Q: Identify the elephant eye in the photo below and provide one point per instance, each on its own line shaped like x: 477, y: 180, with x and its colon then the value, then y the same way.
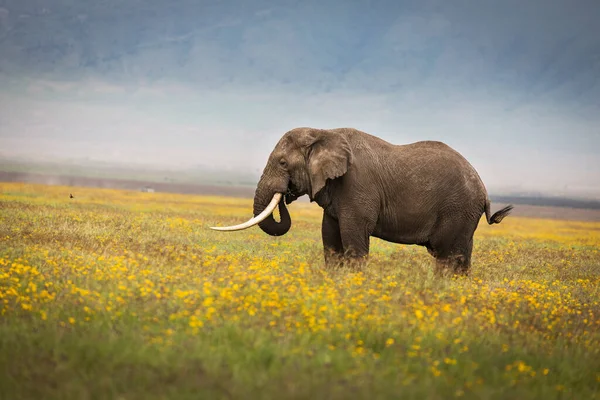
x: 283, y: 163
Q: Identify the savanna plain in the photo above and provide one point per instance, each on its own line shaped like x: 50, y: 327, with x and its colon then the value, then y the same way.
x: 122, y: 294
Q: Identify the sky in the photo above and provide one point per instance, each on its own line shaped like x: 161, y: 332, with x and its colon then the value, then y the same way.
x: 513, y: 86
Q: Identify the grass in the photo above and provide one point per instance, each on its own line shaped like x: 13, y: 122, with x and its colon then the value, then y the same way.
x: 128, y: 295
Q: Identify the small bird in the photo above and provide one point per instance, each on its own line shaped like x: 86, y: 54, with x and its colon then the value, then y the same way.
x: 71, y: 196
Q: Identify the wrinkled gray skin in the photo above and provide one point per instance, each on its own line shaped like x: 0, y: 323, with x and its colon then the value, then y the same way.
x: 423, y: 193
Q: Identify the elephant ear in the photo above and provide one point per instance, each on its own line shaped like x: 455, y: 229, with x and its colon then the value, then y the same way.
x: 329, y: 157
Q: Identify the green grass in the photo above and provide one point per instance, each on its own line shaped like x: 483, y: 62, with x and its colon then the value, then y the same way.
x: 128, y: 295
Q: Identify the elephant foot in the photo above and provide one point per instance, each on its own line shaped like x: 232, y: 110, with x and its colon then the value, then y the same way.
x: 335, y: 260
x: 453, y: 266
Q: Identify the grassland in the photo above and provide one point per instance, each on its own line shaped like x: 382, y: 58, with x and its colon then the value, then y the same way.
x: 128, y: 295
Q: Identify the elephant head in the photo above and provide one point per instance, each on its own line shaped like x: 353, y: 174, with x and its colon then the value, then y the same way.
x: 301, y: 163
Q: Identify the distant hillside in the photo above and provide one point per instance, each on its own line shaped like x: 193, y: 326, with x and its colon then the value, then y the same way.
x: 65, y: 169
x: 548, y: 201
x: 194, y: 180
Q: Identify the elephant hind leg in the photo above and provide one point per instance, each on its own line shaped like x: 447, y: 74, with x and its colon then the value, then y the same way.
x: 456, y: 259
x: 452, y: 249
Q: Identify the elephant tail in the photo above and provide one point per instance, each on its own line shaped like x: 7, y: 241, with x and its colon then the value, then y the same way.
x: 498, y: 216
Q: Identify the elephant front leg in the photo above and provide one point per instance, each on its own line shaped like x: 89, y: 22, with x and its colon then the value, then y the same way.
x: 332, y: 240
x: 356, y: 233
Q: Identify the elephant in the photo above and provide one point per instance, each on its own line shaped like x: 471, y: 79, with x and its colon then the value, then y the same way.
x: 423, y: 193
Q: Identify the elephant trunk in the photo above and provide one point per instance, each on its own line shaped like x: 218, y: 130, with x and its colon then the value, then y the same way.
x: 263, y: 195
x: 270, y: 193
x: 269, y: 225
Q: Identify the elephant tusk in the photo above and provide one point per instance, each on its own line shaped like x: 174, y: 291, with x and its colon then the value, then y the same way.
x: 253, y: 221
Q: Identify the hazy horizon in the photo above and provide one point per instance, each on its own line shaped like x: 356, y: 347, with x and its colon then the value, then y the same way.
x: 514, y: 87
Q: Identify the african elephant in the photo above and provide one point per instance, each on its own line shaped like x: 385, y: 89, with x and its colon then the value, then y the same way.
x: 424, y: 193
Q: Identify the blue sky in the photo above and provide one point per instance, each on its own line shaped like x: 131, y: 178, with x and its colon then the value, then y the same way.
x: 514, y: 86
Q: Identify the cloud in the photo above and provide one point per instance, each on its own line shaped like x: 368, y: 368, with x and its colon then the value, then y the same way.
x: 515, y: 86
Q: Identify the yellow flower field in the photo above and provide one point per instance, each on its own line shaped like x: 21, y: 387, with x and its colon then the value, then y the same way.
x: 117, y: 294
